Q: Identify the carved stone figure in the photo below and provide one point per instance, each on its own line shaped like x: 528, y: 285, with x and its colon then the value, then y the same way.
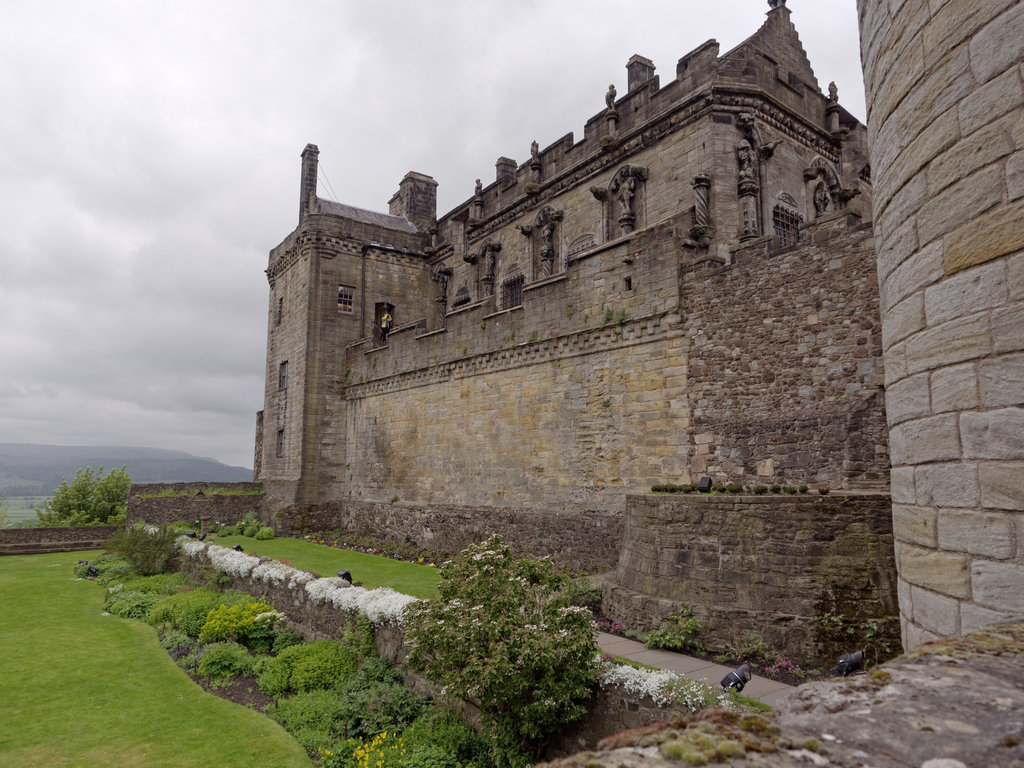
x: 745, y: 156
x: 609, y: 98
x: 489, y: 256
x: 822, y: 200
x: 624, y: 188
x: 534, y: 152
x: 479, y: 190
x: 833, y: 93
x: 441, y: 275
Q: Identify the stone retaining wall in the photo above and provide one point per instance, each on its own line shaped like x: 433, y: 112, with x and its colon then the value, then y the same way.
x: 144, y: 504
x: 765, y: 564
x: 37, y: 541
x: 586, y: 540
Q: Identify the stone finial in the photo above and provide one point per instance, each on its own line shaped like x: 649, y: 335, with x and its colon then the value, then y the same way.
x: 773, y: 4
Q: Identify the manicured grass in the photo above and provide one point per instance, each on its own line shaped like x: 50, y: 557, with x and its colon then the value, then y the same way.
x: 83, y: 689
x: 373, y: 571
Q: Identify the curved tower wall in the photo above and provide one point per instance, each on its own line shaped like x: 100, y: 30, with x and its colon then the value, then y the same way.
x: 946, y: 128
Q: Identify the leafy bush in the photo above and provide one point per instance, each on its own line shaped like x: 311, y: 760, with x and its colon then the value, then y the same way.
x: 680, y: 634
x: 504, y: 632
x: 313, y: 718
x: 188, y: 610
x: 265, y: 533
x: 250, y: 524
x: 89, y: 499
x: 147, y: 550
x: 250, y: 623
x: 219, y: 661
x: 311, y: 666
x: 376, y: 700
x: 158, y: 584
x: 440, y: 738
x: 130, y: 605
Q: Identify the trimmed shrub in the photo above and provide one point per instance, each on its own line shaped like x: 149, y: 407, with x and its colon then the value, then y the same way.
x: 240, y: 622
x: 149, y: 552
x: 318, y: 665
x: 220, y: 661
x: 188, y: 610
x: 265, y: 533
x: 129, y: 604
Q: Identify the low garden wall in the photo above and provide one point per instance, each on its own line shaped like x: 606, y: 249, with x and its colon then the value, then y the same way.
x: 799, y: 571
x: 587, y: 540
x: 38, y: 541
x: 225, y: 503
x: 613, y: 708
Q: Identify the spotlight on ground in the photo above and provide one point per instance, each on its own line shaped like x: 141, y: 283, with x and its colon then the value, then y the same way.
x: 203, y: 537
x: 738, y: 678
x: 343, y: 574
x: 848, y: 663
x: 704, y: 486
x: 191, y: 534
x: 238, y: 548
x: 93, y: 572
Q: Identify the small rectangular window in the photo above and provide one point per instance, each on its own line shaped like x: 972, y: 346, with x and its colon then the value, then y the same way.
x: 512, y: 292
x: 627, y: 283
x: 280, y: 310
x: 280, y: 442
x: 346, y: 299
x: 282, y: 375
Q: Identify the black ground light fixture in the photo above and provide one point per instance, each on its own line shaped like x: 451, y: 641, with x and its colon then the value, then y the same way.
x: 238, y: 548
x: 848, y: 662
x: 93, y: 571
x: 191, y: 534
x: 704, y: 486
x: 343, y: 574
x: 738, y: 678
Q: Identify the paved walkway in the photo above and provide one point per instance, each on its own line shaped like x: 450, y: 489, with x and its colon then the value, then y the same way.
x: 760, y: 688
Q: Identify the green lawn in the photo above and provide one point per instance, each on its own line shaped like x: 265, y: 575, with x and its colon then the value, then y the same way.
x: 408, y: 578
x: 83, y: 689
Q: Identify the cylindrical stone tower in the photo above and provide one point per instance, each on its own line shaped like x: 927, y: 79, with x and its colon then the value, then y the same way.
x: 945, y: 94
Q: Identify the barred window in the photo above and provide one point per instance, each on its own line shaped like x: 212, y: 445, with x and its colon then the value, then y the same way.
x: 512, y: 292
x: 787, y: 225
x: 346, y: 299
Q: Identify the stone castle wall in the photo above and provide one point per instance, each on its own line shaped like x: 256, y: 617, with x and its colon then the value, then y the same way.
x: 946, y: 127
x: 37, y: 541
x: 769, y: 565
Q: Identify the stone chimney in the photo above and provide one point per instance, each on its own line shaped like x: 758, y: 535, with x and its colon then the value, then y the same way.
x: 638, y: 71
x: 505, y: 171
x: 307, y: 184
x: 416, y: 200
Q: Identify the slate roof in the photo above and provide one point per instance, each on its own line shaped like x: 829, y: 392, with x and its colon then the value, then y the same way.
x: 386, y: 220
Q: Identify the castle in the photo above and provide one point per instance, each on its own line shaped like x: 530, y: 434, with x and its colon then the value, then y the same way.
x: 689, y: 290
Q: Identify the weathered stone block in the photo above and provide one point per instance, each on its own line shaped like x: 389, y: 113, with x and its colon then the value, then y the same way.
x: 991, y: 101
x: 904, y: 319
x: 931, y: 439
x: 993, y: 434
x: 908, y: 399
x: 934, y: 612
x: 914, y: 525
x: 902, y: 485
x: 920, y: 270
x: 974, y: 617
x: 966, y: 293
x: 1002, y: 484
x: 986, y: 237
x: 951, y: 342
x: 947, y: 573
x: 999, y: 46
x: 998, y: 586
x: 975, y: 151
x: 1008, y: 329
x: 947, y: 485
x: 1015, y: 276
x: 961, y: 203
x: 980, y: 533
x: 938, y: 136
x: 955, y: 388
x: 1001, y: 380
x: 1015, y: 176
x: 895, y: 363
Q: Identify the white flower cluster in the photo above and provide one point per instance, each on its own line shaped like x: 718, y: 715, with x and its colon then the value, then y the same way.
x: 231, y: 562
x: 191, y: 547
x: 662, y: 687
x: 380, y: 606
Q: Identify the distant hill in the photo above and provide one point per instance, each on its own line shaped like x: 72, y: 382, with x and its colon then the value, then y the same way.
x: 36, y: 470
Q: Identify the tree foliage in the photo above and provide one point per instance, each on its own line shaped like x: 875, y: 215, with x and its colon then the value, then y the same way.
x: 505, y: 632
x: 92, y: 498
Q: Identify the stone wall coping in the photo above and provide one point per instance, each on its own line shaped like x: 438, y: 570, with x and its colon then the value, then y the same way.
x: 763, y: 498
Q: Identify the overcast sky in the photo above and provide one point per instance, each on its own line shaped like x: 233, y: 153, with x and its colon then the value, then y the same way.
x: 149, y: 159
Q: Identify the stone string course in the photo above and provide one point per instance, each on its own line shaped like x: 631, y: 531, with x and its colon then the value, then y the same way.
x: 945, y: 92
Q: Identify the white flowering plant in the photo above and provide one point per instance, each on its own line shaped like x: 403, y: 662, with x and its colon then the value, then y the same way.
x: 504, y: 632
x: 381, y: 606
x: 663, y: 687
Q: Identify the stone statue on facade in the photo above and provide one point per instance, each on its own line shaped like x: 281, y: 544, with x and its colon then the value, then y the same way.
x: 833, y: 93
x: 745, y: 157
x: 441, y: 275
x: 609, y: 98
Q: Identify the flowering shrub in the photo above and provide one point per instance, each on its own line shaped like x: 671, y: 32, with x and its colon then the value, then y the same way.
x: 504, y: 632
x: 784, y: 666
x: 229, y: 561
x: 662, y: 687
x: 237, y: 622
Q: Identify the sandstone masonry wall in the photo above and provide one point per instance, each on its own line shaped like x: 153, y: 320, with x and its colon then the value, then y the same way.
x: 37, y: 541
x: 765, y: 564
x: 228, y: 509
x: 946, y: 128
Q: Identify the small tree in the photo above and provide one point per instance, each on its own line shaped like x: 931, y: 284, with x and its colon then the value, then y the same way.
x: 504, y: 632
x: 89, y: 499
